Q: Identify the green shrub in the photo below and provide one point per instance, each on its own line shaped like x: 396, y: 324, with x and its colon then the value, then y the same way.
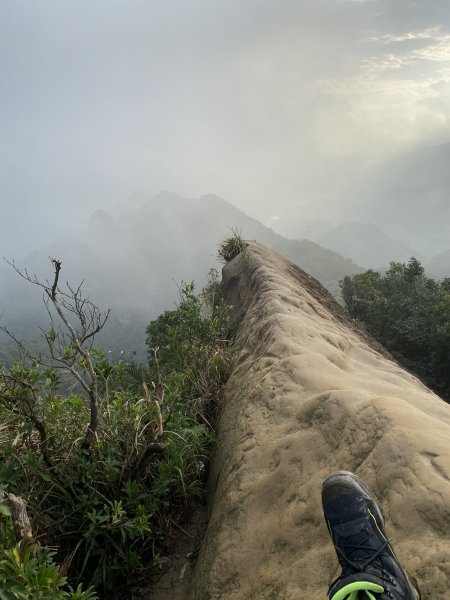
x: 105, y: 509
x: 148, y: 460
x: 408, y: 312
x: 27, y: 569
x: 189, y: 346
x: 29, y: 572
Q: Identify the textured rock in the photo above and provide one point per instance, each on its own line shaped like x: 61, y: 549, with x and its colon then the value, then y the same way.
x: 310, y: 395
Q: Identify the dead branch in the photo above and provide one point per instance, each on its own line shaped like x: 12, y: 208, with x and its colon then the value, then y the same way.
x: 69, y: 346
x: 21, y: 521
x: 57, y: 264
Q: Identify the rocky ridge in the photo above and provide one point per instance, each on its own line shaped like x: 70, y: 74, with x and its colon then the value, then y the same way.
x: 309, y: 394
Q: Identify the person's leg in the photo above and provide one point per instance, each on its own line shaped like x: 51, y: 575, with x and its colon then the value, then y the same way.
x: 370, y: 569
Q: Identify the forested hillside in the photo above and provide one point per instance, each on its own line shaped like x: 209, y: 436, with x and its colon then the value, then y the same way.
x: 409, y: 313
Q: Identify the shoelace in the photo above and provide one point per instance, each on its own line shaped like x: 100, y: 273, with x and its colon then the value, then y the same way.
x: 351, y: 548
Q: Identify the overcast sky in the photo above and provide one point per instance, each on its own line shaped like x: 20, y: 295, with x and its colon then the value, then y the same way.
x: 266, y: 103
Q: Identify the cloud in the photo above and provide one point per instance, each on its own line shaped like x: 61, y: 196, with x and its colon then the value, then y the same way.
x: 252, y: 100
x: 434, y: 44
x: 390, y: 38
x: 394, y: 97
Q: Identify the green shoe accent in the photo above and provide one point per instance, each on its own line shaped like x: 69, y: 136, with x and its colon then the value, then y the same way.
x: 351, y: 591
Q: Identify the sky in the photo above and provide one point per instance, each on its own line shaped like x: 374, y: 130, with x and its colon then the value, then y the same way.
x: 267, y: 104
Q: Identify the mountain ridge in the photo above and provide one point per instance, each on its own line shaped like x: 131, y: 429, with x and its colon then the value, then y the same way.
x: 407, y: 197
x: 133, y: 262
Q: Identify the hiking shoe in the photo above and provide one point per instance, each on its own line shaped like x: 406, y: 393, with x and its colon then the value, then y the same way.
x: 370, y: 569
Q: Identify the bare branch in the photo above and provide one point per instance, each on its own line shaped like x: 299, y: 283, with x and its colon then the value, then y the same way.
x: 69, y: 346
x: 23, y: 351
x: 57, y: 265
x: 25, y: 275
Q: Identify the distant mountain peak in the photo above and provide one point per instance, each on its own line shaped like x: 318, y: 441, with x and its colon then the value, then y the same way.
x: 167, y: 196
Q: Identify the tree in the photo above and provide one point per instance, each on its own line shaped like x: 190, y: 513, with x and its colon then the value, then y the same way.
x: 74, y: 323
x: 408, y: 312
x: 413, y: 270
x: 364, y: 300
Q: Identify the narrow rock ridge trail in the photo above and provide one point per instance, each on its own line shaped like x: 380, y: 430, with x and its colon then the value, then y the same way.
x: 309, y: 394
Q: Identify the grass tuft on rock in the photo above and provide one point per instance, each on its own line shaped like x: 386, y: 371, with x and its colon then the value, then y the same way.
x: 230, y: 247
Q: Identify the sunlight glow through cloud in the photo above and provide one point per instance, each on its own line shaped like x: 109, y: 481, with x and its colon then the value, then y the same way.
x: 397, y: 94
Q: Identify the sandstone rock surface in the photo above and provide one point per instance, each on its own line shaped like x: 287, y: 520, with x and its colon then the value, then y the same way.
x: 309, y: 395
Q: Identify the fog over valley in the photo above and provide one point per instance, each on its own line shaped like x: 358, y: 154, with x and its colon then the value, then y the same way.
x: 321, y: 129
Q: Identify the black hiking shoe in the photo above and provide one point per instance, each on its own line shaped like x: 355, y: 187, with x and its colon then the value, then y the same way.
x: 370, y: 569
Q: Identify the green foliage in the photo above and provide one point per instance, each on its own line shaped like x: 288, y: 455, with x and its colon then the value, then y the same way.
x: 189, y: 345
x: 148, y: 459
x: 106, y: 510
x: 231, y: 246
x: 409, y: 313
x: 27, y: 569
x: 28, y: 572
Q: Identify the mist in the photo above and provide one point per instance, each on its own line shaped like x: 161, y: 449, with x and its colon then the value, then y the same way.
x: 326, y: 121
x: 269, y: 105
